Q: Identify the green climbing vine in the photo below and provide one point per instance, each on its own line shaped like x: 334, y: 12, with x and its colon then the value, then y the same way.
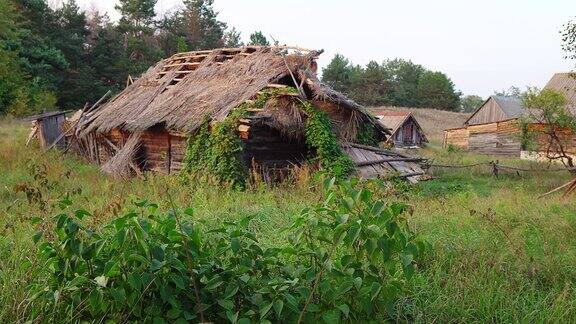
x: 367, y: 135
x: 217, y: 151
x: 319, y: 136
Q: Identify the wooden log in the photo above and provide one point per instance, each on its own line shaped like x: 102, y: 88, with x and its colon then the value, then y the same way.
x: 180, y: 64
x: 375, y: 149
x: 379, y: 161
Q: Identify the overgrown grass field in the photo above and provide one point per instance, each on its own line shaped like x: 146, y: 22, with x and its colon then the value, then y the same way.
x: 498, y: 252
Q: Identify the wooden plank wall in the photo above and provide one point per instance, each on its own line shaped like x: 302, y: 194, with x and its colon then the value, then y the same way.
x: 500, y: 138
x: 178, y: 145
x: 567, y: 137
x: 457, y: 137
x: 155, y: 150
x: 162, y: 151
x: 50, y: 129
x: 490, y: 112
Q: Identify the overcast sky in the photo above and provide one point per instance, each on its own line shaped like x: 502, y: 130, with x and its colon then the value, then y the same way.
x: 481, y: 45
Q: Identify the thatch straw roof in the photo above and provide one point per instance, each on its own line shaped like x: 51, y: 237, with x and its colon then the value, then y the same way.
x: 180, y: 91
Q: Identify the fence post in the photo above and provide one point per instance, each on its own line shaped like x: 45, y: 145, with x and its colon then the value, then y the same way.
x: 494, y: 168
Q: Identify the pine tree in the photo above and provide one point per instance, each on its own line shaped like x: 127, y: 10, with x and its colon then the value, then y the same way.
x: 232, y: 38
x: 258, y: 38
x: 137, y: 27
x: 337, y: 74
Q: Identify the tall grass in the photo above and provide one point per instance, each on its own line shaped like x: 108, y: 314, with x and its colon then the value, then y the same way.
x: 499, y: 253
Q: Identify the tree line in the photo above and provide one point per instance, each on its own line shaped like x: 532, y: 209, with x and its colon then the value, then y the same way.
x: 64, y: 57
x: 396, y: 82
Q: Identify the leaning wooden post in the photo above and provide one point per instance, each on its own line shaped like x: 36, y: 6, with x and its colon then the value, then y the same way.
x: 494, y: 168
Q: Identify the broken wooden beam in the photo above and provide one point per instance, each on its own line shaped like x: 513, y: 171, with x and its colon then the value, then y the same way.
x: 385, y: 160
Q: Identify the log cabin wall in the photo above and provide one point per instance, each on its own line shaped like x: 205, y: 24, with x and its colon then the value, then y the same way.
x: 271, y: 152
x: 457, y: 137
x: 500, y: 138
x: 163, y: 151
x: 567, y: 138
x: 155, y: 150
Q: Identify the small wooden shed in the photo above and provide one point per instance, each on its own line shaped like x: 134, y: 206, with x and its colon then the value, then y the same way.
x: 405, y: 129
x: 49, y: 128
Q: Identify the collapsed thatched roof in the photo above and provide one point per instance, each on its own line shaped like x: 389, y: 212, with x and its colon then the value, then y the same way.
x: 180, y: 91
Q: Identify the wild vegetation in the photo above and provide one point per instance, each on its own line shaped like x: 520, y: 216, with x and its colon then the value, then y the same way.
x: 504, y: 259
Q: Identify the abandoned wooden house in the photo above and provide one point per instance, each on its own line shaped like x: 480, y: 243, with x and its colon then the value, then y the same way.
x: 405, y: 129
x: 494, y: 128
x: 147, y: 124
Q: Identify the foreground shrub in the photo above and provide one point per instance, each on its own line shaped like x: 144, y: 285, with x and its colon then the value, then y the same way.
x: 348, y: 258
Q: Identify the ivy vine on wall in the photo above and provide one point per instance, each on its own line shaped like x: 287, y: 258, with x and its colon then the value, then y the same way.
x: 216, y: 148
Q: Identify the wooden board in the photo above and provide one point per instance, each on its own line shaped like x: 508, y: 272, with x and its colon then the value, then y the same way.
x: 382, y: 169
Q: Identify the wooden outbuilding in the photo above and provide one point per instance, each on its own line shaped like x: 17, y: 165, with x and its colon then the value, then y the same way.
x: 47, y: 127
x: 169, y: 103
x: 405, y: 129
x: 494, y: 127
x: 496, y: 109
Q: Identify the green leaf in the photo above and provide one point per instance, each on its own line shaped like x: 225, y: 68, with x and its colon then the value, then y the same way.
x: 119, y: 294
x: 156, y: 265
x: 232, y: 317
x: 179, y: 281
x: 138, y: 257
x: 331, y: 317
x: 76, y: 282
x: 226, y: 304
x: 344, y: 309
x: 173, y: 313
x: 349, y: 203
x: 111, y: 269
x: 406, y: 259
x: 95, y: 301
x: 135, y: 281
x: 121, y: 236
x: 101, y: 281
x: 230, y: 291
x: 245, y: 277
x: 375, y: 290
x: 37, y: 237
x: 278, y: 306
x: 235, y: 244
x: 265, y: 309
x: 353, y: 233
x: 313, y: 308
x: 384, y: 245
x: 329, y: 183
x: 374, y: 230
x: 357, y: 283
x: 81, y: 213
x: 35, y: 220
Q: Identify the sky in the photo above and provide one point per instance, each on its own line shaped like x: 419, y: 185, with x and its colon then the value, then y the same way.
x: 482, y: 46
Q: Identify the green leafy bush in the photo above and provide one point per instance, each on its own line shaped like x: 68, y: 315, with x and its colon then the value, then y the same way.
x: 348, y: 258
